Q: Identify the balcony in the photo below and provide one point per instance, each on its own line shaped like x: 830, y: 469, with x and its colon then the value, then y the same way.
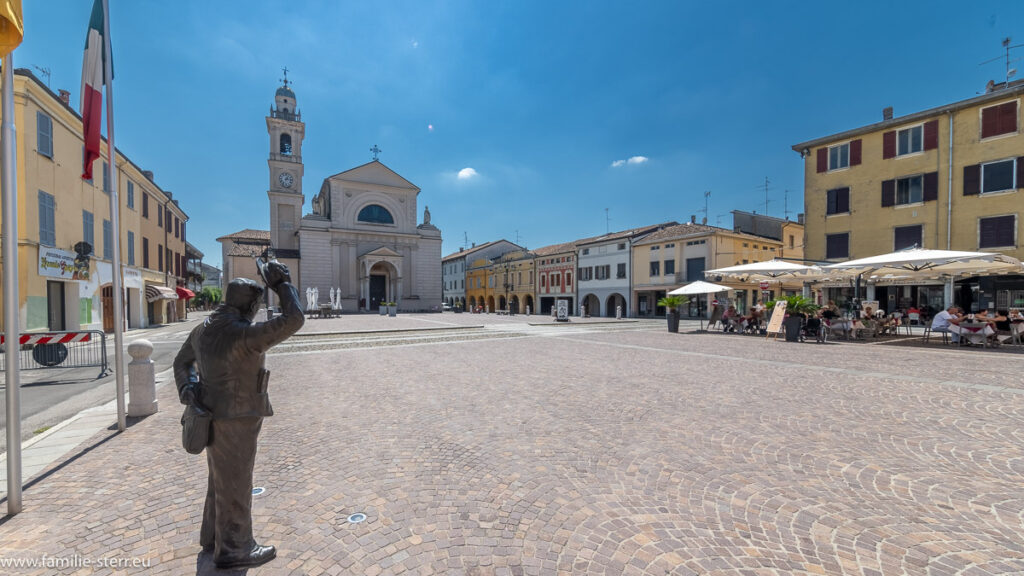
x: 286, y: 157
x: 289, y: 116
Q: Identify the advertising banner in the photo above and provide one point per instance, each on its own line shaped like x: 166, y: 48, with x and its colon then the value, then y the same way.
x: 54, y: 263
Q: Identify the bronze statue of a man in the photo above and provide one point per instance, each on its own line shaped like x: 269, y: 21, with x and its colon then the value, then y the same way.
x: 227, y: 353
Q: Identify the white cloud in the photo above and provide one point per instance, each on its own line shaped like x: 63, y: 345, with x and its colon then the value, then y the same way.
x: 632, y: 161
x: 415, y: 43
x: 467, y: 174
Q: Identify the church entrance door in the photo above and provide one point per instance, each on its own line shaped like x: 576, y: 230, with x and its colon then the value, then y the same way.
x: 378, y: 290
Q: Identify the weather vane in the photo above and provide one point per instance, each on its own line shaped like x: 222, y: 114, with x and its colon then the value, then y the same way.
x: 285, y: 80
x: 376, y: 151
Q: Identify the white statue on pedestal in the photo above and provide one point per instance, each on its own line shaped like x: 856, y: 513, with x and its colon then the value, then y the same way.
x: 332, y: 297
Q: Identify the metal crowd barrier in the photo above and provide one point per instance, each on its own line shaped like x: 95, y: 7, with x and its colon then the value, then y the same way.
x: 80, y: 349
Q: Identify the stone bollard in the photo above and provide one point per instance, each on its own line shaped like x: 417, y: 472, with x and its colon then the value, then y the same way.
x: 618, y: 312
x: 141, y: 379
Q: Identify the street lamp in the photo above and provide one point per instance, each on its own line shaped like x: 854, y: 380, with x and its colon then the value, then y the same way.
x: 508, y: 285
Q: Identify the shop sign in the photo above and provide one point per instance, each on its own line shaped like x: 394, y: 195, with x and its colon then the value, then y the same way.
x: 54, y: 263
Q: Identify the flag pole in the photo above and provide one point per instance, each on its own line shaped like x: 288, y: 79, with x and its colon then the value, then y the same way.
x: 108, y: 73
x: 9, y: 183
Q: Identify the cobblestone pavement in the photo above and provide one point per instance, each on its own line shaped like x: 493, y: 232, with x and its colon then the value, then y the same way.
x: 600, y: 449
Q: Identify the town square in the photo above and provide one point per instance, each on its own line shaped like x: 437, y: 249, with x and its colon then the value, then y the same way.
x: 511, y: 289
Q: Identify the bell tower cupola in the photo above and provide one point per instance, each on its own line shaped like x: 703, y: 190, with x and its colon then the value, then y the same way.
x: 286, y: 131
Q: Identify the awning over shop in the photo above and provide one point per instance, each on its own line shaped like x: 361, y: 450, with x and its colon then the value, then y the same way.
x: 185, y: 293
x: 155, y: 292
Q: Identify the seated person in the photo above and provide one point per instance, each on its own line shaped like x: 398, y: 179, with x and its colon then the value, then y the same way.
x: 730, y: 319
x: 830, y: 311
x: 942, y: 322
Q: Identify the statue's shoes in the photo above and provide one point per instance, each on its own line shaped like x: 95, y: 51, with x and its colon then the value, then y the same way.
x: 257, y: 556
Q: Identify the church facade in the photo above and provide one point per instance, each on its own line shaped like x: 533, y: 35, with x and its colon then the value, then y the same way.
x: 362, y: 236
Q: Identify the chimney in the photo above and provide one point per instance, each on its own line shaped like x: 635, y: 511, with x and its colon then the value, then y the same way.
x: 65, y: 96
x: 461, y: 248
x: 704, y: 220
x: 887, y: 113
x: 693, y: 218
x: 474, y: 245
x: 990, y: 87
x: 800, y: 218
x: 148, y: 174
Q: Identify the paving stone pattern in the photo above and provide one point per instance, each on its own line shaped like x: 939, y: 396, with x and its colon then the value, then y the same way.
x: 588, y: 451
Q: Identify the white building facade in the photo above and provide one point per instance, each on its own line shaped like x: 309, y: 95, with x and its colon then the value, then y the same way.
x: 604, y: 276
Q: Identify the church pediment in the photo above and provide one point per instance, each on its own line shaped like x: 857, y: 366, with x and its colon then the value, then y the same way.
x: 374, y: 173
x: 384, y: 251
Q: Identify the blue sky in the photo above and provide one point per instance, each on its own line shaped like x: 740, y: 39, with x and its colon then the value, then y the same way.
x: 551, y: 112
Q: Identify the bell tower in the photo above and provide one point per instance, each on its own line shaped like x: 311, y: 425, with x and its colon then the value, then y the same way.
x: 286, y: 131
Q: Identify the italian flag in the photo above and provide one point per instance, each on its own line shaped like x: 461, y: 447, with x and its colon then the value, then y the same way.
x: 92, y: 88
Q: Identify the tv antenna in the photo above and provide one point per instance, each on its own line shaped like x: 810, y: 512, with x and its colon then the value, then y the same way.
x: 607, y: 222
x: 785, y: 203
x: 1010, y: 72
x: 707, y: 194
x: 45, y: 72
x: 766, y: 200
x: 465, y: 240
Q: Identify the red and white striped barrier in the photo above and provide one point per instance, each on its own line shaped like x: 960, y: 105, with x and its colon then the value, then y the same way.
x: 52, y: 338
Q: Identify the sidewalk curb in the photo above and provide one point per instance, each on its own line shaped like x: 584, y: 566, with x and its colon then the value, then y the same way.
x: 39, y: 452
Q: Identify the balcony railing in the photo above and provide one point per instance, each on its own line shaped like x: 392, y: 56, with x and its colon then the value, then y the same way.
x: 286, y: 157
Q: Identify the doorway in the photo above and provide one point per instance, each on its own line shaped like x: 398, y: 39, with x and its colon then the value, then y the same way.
x: 378, y: 290
x: 107, y: 301
x: 55, y: 306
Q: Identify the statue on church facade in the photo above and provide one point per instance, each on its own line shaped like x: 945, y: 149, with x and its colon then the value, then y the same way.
x: 220, y: 370
x: 426, y: 214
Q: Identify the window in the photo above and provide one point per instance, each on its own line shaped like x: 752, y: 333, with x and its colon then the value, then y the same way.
x: 909, y: 190
x: 791, y: 241
x: 622, y: 245
x: 602, y: 272
x: 375, y: 214
x: 653, y: 248
x: 695, y: 269
x: 839, y: 156
x: 586, y: 251
x: 88, y: 229
x: 998, y: 176
x: 568, y: 280
x: 160, y: 257
x: 672, y: 245
x: 999, y: 119
x: 130, y: 248
x: 177, y: 227
x: 286, y: 145
x: 586, y: 274
x: 106, y: 178
x: 131, y: 195
x: 906, y: 237
x: 556, y: 280
x: 910, y: 140
x: 145, y: 252
x: 47, y: 225
x: 997, y: 232
x: 44, y: 135
x: 490, y: 281
x: 837, y: 245
x: 699, y: 242
x: 543, y: 280
x: 670, y: 267
x: 167, y: 218
x: 620, y: 270
x: 655, y: 268
x: 177, y: 264
x: 145, y: 205
x: 168, y: 258
x: 108, y: 240
x: 183, y: 231
x: 159, y: 215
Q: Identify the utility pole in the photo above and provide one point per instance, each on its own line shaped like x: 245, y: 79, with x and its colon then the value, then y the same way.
x: 766, y: 196
x: 607, y: 226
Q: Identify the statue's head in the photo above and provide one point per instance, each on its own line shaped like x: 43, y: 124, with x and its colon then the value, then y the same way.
x: 244, y: 295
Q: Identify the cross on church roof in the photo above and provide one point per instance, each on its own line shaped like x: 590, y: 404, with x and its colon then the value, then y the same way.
x: 285, y: 80
x: 376, y: 151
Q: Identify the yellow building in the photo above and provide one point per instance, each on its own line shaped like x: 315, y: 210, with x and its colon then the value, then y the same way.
x: 945, y: 178
x: 65, y: 231
x: 511, y: 275
x: 480, y: 286
x: 677, y: 255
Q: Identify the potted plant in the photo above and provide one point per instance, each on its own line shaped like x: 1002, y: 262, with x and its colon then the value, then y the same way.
x: 392, y: 308
x: 798, y: 308
x: 672, y: 304
x: 383, y: 308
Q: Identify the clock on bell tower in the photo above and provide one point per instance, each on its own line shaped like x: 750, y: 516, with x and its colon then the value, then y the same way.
x: 286, y: 131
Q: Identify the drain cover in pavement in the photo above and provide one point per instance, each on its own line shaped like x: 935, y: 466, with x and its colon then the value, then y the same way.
x: 258, y: 490
x: 357, y: 518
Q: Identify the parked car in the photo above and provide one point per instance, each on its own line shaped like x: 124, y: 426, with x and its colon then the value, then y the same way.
x: 446, y: 307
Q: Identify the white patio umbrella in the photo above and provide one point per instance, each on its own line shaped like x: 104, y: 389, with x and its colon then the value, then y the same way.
x: 767, y: 270
x: 921, y: 262
x: 698, y: 287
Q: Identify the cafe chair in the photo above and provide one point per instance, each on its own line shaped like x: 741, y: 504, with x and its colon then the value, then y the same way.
x: 928, y: 333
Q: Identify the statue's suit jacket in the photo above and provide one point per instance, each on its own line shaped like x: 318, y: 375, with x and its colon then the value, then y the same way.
x: 228, y: 352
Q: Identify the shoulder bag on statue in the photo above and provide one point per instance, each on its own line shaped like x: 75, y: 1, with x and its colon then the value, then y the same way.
x: 195, y: 429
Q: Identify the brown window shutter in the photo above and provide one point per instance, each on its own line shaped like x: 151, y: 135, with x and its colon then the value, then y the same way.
x: 1020, y: 172
x: 990, y: 121
x: 822, y: 160
x: 972, y: 180
x: 931, y: 135
x: 888, y: 193
x: 855, y: 146
x: 843, y: 199
x: 1007, y: 118
x: 931, y: 186
x: 889, y: 145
